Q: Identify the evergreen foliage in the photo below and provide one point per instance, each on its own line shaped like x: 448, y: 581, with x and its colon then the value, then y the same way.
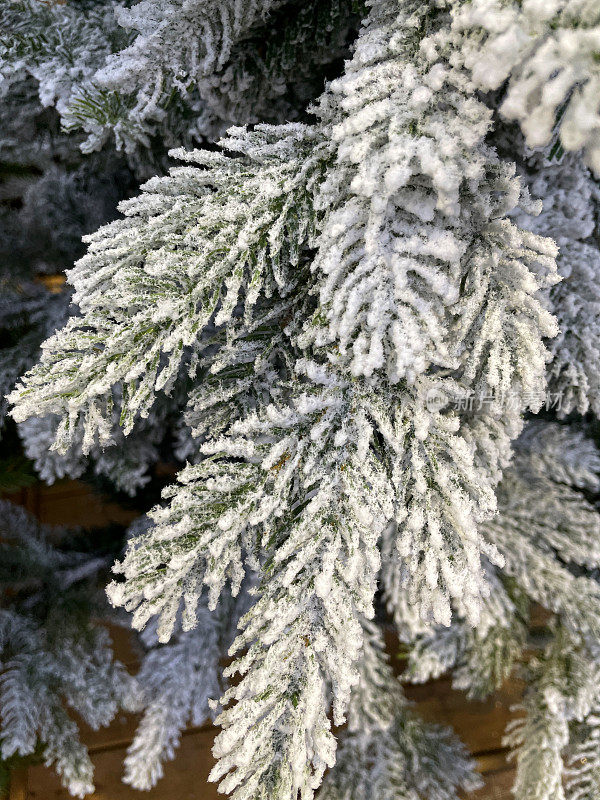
x: 345, y: 311
x: 385, y: 747
x: 52, y: 655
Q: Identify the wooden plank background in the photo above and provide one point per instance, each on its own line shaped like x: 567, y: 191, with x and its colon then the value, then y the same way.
x: 479, y: 724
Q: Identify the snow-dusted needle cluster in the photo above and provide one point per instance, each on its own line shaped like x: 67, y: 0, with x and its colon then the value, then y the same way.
x: 359, y: 307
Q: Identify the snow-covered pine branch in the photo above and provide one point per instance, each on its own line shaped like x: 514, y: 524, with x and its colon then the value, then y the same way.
x: 52, y: 654
x: 180, y: 71
x: 481, y: 658
x: 583, y: 773
x: 545, y: 524
x: 420, y: 270
x: 279, y: 67
x: 547, y: 50
x: 570, y: 197
x: 153, y: 282
x: 562, y: 688
x: 387, y: 751
x: 331, y: 291
x: 180, y: 683
x: 549, y: 535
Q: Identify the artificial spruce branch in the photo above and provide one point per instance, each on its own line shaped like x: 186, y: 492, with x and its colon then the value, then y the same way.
x: 357, y: 308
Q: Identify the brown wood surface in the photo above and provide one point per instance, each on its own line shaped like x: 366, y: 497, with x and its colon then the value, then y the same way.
x: 185, y: 778
x: 479, y: 724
